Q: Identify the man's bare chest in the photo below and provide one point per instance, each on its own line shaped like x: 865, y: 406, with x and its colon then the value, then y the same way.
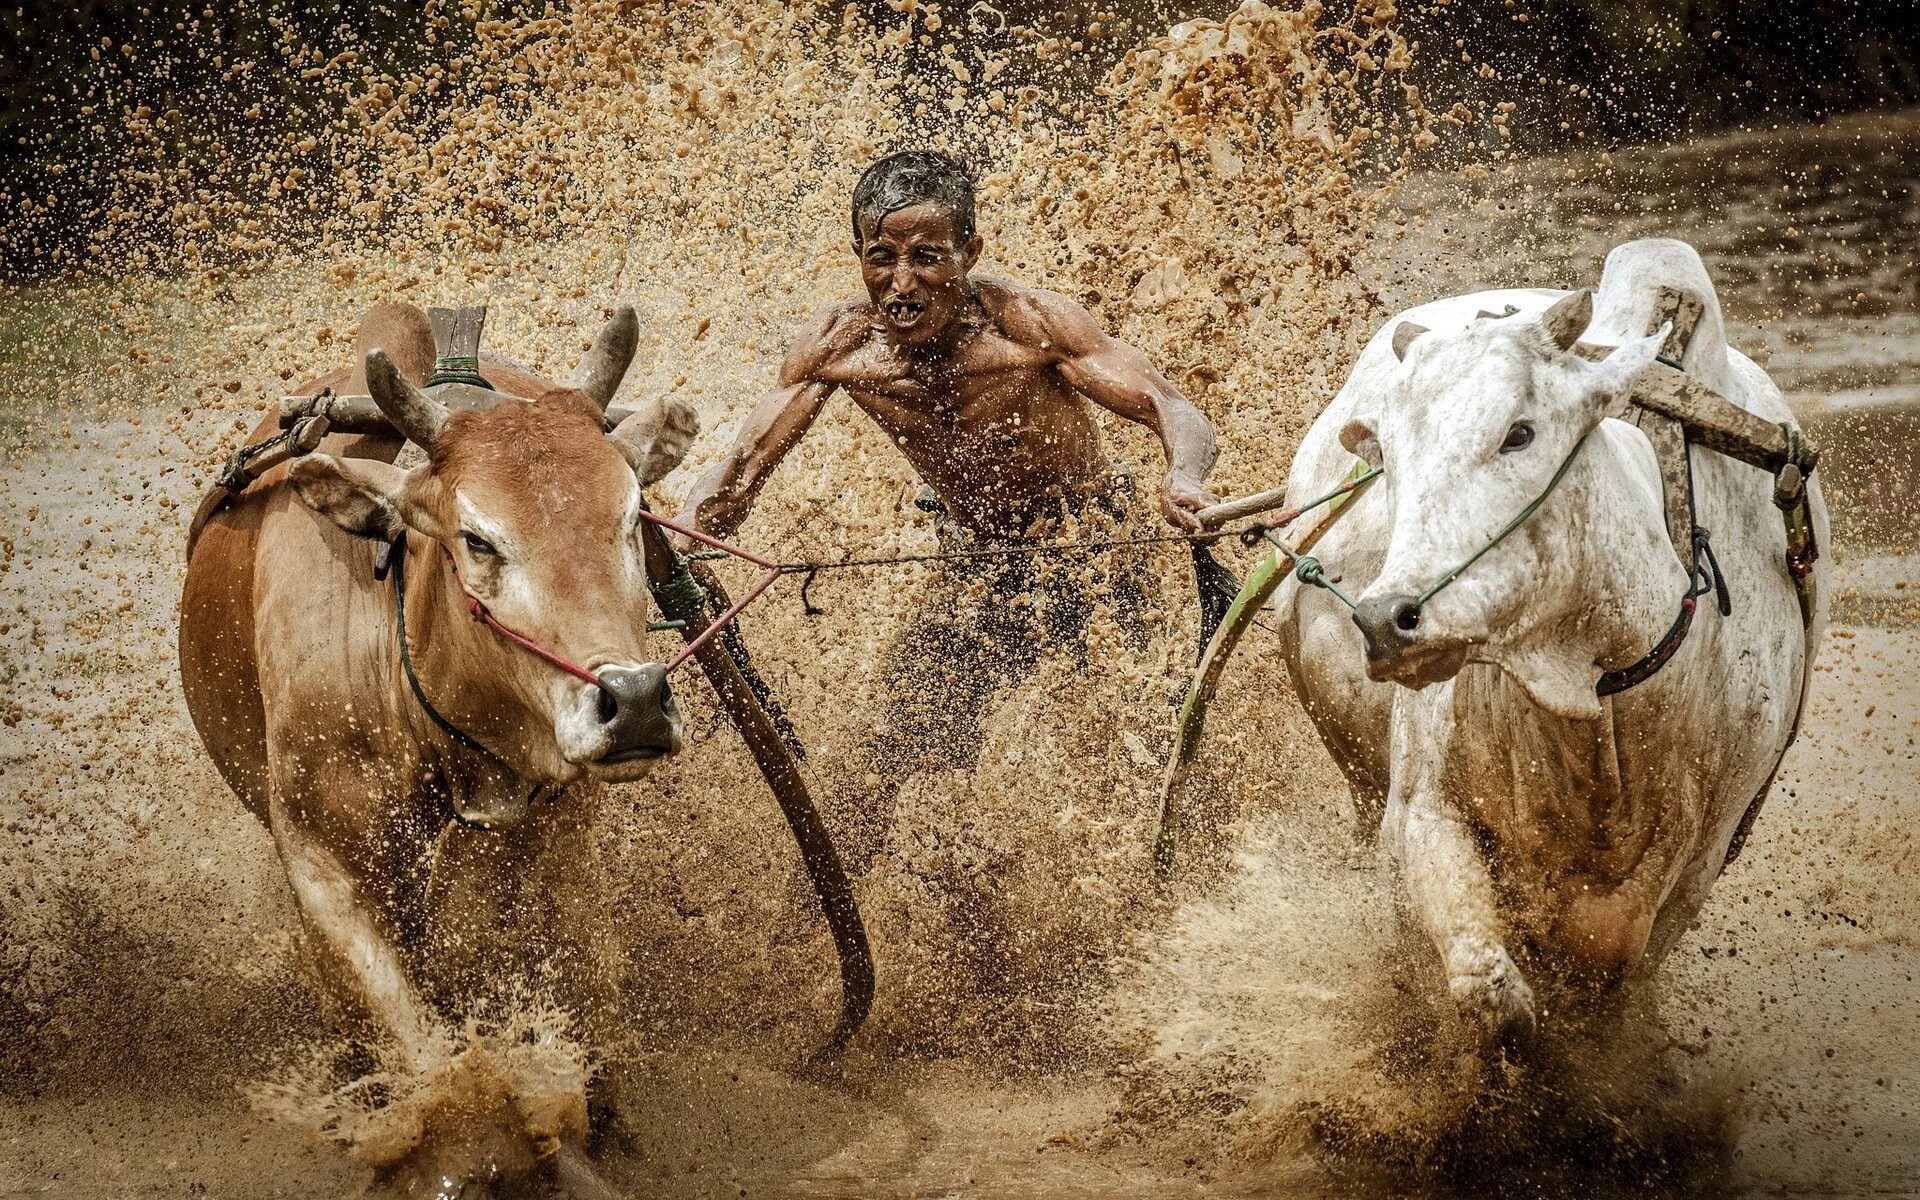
x: 979, y: 379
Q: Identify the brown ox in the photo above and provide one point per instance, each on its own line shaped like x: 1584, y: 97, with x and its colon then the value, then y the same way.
x: 291, y: 659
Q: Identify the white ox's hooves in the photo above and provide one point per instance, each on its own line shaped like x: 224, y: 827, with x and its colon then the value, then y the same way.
x: 1491, y: 995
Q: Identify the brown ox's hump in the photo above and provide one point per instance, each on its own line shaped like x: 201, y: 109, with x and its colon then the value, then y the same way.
x: 403, y: 332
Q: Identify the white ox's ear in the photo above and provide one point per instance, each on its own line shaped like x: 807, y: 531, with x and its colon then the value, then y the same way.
x: 1567, y: 318
x: 1357, y: 437
x: 656, y: 438
x: 1403, y: 335
x: 1616, y: 372
x: 365, y: 497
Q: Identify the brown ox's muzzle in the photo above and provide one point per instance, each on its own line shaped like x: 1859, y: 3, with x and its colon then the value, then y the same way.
x: 637, y: 713
x: 1398, y: 650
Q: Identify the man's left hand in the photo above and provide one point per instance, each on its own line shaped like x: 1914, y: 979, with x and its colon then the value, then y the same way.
x: 1180, y: 498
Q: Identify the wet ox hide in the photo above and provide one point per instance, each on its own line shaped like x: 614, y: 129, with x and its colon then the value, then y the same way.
x: 1545, y: 835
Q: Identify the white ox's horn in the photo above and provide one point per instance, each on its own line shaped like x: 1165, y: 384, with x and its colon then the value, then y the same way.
x: 607, y: 361
x: 1403, y: 337
x: 418, y: 416
x: 1568, y: 318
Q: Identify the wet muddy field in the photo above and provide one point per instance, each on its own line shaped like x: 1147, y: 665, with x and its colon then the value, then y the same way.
x: 1048, y: 1024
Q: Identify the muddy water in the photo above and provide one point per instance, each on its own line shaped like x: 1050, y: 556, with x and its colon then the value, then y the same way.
x: 1046, y: 1026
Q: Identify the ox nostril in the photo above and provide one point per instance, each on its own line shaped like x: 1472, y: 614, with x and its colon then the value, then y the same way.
x: 1390, y: 624
x: 637, y: 711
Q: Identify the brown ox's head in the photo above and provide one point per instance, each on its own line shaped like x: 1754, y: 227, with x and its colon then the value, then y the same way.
x: 540, y: 509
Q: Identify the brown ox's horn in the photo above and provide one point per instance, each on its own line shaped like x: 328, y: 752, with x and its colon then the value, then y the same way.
x: 607, y: 361
x: 1568, y: 318
x: 418, y: 416
x: 1403, y: 337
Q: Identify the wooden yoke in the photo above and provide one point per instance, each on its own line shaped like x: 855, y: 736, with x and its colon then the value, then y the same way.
x: 1710, y: 419
x: 358, y: 414
x: 1668, y: 435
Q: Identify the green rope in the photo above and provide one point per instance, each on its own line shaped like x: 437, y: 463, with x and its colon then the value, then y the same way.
x: 459, y: 735
x: 1510, y: 526
x: 458, y: 368
x: 680, y: 596
x: 1307, y: 568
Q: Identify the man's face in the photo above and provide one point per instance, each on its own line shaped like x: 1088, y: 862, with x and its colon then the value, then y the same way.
x: 915, y: 269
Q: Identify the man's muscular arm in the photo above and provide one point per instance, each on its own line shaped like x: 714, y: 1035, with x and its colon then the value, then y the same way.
x: 722, y: 497
x: 1121, y: 379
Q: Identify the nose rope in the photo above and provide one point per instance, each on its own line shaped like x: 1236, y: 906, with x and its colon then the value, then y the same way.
x: 1510, y: 526
x: 477, y: 609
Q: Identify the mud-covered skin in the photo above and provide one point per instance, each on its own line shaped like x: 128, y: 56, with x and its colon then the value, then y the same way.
x: 982, y: 383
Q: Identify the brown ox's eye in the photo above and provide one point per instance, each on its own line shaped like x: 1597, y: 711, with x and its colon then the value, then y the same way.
x: 479, y: 546
x: 1518, y: 438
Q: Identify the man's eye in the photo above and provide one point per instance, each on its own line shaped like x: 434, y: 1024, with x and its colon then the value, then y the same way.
x: 1518, y: 438
x: 479, y: 546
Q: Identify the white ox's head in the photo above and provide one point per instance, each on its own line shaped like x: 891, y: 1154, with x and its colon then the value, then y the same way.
x: 538, y: 507
x: 1471, y: 430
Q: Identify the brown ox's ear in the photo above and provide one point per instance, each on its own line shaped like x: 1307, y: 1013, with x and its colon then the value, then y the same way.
x: 656, y: 438
x: 365, y: 497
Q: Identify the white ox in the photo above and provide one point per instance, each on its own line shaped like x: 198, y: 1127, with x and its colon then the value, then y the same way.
x: 1533, y: 821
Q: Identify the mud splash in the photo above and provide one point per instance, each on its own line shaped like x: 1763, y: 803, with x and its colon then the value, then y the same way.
x: 1222, y: 198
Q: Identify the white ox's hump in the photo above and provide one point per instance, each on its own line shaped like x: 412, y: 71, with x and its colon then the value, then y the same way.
x: 1628, y: 303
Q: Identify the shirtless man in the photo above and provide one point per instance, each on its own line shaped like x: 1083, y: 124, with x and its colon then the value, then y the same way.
x: 984, y: 385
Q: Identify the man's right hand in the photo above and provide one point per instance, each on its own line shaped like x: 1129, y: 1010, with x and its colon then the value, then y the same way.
x: 1180, y: 498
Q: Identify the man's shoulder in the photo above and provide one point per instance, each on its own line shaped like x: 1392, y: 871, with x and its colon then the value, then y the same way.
x: 830, y: 332
x: 1035, y: 316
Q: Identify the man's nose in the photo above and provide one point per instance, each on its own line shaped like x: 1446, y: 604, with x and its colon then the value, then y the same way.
x: 1390, y: 624
x: 638, y: 712
x: 903, y: 279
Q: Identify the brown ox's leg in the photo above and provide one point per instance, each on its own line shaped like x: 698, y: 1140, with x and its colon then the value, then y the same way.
x: 359, y: 957
x: 508, y: 903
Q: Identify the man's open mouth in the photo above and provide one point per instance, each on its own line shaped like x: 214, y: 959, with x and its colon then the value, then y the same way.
x: 904, y: 312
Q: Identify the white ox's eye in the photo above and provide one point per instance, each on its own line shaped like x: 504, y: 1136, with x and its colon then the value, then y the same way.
x: 1518, y: 438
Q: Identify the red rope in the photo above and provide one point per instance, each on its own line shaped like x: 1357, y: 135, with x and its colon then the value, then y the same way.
x: 481, y: 613
x: 773, y: 572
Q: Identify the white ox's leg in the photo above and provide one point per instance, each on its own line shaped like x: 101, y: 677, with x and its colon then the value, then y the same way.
x: 1453, y: 898
x: 361, y: 960
x: 1447, y: 879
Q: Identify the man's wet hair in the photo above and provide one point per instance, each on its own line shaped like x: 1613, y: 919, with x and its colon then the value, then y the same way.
x: 913, y: 177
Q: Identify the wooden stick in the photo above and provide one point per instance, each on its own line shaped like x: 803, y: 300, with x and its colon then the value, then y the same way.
x: 1215, y: 515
